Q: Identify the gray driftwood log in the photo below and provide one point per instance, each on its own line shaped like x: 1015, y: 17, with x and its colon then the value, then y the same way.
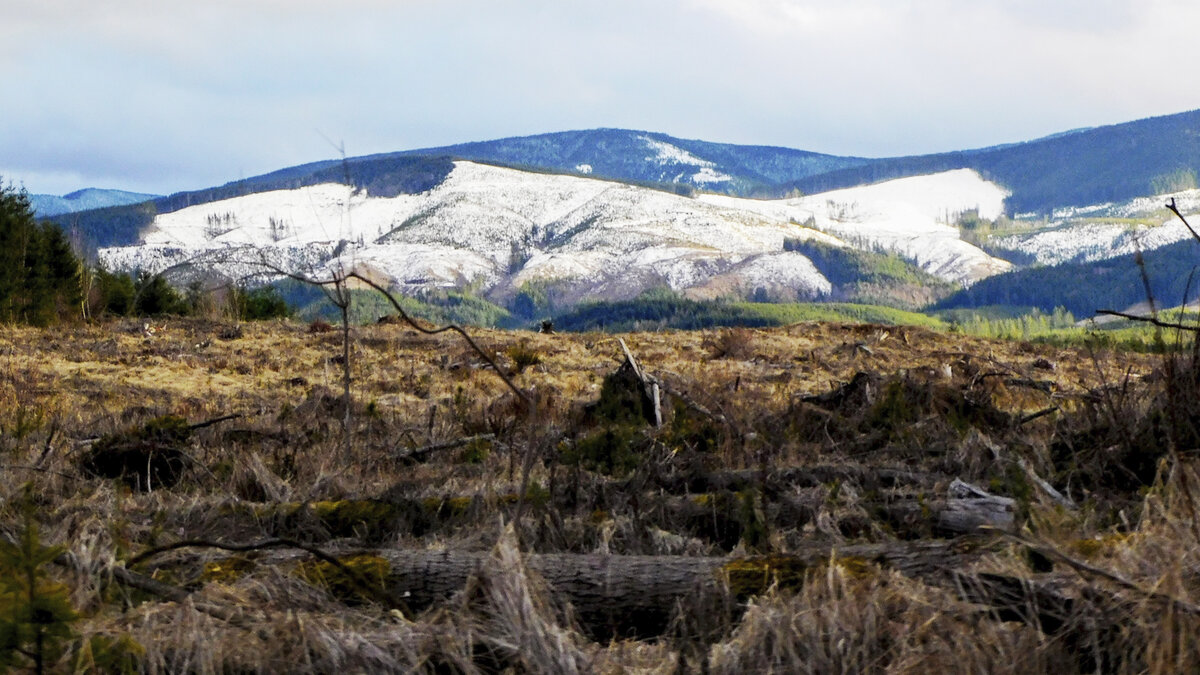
x: 616, y: 595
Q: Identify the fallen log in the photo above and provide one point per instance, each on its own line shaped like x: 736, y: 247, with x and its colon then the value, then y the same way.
x: 950, y: 517
x: 1094, y: 625
x: 621, y: 596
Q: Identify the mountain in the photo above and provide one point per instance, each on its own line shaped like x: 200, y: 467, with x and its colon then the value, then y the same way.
x: 84, y: 200
x: 1071, y: 169
x: 1085, y: 258
x: 642, y: 156
x: 607, y: 213
x: 1089, y: 166
x: 563, y: 239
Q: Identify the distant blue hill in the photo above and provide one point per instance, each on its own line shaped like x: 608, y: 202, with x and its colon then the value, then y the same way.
x: 87, y: 199
x: 629, y: 155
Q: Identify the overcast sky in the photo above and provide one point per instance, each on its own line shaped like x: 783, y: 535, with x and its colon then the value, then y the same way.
x: 157, y: 96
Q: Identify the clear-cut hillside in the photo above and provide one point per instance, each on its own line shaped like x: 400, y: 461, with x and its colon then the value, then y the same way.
x: 1104, y: 231
x: 499, y: 229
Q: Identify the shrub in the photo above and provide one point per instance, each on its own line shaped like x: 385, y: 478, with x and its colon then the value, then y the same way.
x: 35, y: 612
x: 153, y: 296
x: 523, y: 356
x: 319, y: 326
x: 264, y: 302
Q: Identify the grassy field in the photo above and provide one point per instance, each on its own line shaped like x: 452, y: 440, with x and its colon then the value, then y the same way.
x: 198, y: 496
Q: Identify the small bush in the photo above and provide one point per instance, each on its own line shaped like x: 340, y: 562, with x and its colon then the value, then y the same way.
x: 609, y: 451
x: 523, y: 356
x: 257, y: 304
x: 153, y: 296
x: 733, y: 343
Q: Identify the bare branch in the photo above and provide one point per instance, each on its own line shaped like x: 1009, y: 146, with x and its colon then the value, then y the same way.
x: 1175, y: 210
x: 1149, y: 319
x: 422, y: 453
x: 434, y: 331
x: 1084, y: 568
x: 365, y: 585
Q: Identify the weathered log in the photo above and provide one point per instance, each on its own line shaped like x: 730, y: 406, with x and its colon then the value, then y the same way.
x: 950, y: 517
x: 636, y: 596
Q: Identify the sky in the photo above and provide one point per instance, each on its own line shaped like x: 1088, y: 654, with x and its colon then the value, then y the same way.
x: 154, y: 96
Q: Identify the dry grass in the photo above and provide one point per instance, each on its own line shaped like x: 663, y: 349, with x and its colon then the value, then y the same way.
x: 937, y: 405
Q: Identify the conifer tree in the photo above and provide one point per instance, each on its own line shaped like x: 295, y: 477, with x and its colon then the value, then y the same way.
x: 39, y: 273
x: 35, y: 611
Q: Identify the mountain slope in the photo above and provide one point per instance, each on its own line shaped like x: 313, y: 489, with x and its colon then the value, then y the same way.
x: 508, y: 232
x: 1085, y: 287
x: 1076, y: 168
x: 1089, y: 166
x: 652, y: 157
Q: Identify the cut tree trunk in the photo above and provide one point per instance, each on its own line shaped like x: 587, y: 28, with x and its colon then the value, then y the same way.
x: 635, y: 596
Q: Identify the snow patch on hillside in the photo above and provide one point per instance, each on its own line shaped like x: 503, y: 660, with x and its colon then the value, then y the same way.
x: 1103, y: 231
x: 665, y: 153
x: 708, y: 175
x: 907, y: 216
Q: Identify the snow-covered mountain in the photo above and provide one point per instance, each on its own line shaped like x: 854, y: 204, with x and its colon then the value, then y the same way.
x: 500, y: 229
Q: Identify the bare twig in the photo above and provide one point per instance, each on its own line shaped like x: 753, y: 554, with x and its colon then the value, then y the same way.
x: 1150, y: 320
x: 421, y: 454
x: 1033, y: 416
x: 20, y: 467
x: 1091, y: 570
x: 1175, y: 210
x: 213, y: 421
x: 448, y: 327
x: 412, y: 323
x: 368, y: 588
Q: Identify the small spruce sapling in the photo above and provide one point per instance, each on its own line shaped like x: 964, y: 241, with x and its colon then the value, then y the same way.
x: 35, y: 611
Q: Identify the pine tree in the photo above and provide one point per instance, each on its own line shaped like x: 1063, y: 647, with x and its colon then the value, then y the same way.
x: 16, y: 227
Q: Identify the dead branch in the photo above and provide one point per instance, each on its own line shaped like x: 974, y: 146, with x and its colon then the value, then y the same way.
x: 1150, y: 320
x: 421, y: 454
x: 213, y: 421
x: 435, y: 331
x: 1033, y: 416
x: 1052, y: 552
x: 1174, y: 209
x: 353, y: 575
